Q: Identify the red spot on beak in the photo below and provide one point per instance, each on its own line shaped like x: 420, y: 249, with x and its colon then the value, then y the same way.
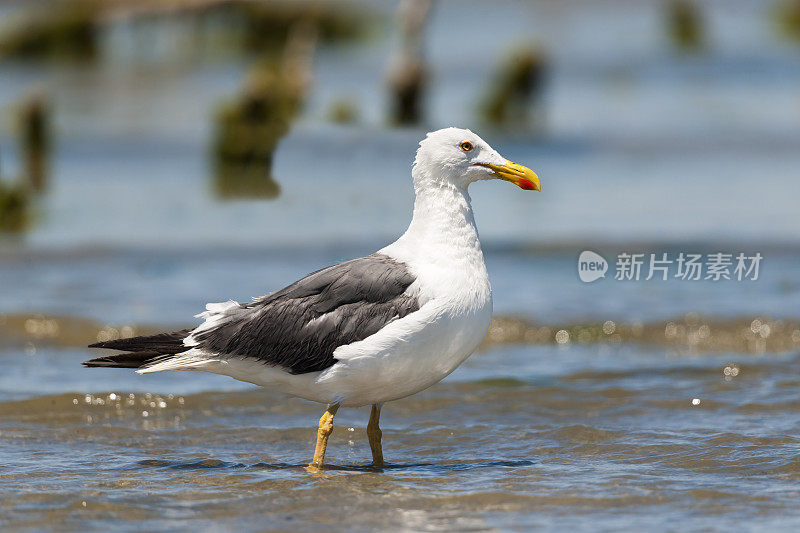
x: 526, y: 184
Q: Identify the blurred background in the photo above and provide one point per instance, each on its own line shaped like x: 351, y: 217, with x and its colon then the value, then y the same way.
x: 156, y: 155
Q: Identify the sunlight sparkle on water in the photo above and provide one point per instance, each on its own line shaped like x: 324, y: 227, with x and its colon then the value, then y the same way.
x: 562, y: 336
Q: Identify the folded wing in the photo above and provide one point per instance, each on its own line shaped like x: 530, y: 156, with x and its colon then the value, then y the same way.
x: 299, y: 327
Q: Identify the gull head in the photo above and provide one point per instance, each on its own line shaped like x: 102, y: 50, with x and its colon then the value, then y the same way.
x: 459, y: 157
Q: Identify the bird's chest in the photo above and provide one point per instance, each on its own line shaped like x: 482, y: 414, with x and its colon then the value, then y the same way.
x: 449, y: 336
x: 415, y: 352
x: 459, y: 295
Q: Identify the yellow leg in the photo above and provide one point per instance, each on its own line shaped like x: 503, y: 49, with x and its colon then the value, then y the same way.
x: 324, y: 431
x: 374, y: 434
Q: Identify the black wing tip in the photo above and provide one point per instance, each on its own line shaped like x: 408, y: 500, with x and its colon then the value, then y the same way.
x: 113, y: 344
x: 99, y: 362
x: 126, y: 360
x: 168, y: 342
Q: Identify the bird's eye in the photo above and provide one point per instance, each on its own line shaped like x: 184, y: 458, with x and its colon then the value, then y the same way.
x: 466, y: 146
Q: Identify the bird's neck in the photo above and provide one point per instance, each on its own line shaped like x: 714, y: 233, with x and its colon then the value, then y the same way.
x: 442, y: 230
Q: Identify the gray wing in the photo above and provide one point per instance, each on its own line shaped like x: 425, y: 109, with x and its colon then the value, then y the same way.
x: 299, y: 327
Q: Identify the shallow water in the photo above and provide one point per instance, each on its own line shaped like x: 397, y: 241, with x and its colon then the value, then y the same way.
x: 521, y: 436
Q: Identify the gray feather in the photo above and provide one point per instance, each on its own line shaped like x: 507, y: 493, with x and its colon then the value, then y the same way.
x: 299, y: 327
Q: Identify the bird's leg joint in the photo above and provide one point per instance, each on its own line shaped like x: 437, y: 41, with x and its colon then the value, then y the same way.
x: 326, y: 424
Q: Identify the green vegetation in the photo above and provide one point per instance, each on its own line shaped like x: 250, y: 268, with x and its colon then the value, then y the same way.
x: 248, y: 127
x: 343, y: 111
x: 62, y: 29
x: 16, y: 198
x: 787, y: 19
x: 247, y: 131
x: 15, y: 207
x: 71, y: 28
x: 407, y: 85
x: 516, y: 88
x: 33, y: 117
x: 685, y: 25
x: 267, y: 24
x: 408, y: 75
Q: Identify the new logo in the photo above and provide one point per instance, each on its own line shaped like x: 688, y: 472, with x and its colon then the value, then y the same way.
x: 591, y: 266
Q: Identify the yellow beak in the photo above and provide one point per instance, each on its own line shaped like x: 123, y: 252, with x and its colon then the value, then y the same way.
x: 517, y: 174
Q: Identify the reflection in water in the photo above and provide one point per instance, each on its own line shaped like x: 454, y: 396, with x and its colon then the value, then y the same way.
x: 245, y: 180
x: 329, y: 467
x: 15, y: 207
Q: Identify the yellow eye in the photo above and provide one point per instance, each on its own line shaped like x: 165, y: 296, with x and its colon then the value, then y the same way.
x: 466, y: 146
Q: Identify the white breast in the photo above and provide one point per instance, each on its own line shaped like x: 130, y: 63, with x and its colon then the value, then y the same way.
x: 406, y: 357
x: 452, y: 286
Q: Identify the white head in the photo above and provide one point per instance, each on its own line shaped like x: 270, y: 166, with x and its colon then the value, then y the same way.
x: 459, y: 157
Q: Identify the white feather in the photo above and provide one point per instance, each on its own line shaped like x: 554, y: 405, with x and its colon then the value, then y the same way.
x: 213, y: 315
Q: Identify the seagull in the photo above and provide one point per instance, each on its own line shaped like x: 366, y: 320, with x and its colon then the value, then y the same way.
x: 366, y: 331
